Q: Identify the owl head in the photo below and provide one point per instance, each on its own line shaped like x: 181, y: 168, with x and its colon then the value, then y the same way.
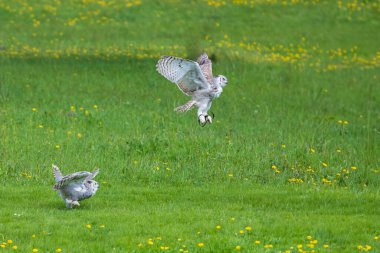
x: 93, y: 185
x: 222, y: 80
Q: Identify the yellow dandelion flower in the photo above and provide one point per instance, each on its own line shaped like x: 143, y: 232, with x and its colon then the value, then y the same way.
x: 102, y: 226
x: 34, y: 109
x: 274, y: 167
x: 9, y: 241
x: 325, y: 246
x: 257, y: 242
x: 360, y: 247
x: 69, y: 133
x: 88, y: 226
x: 345, y: 122
x: 314, y: 241
x: 95, y: 106
x: 2, y: 245
x: 324, y: 164
x: 72, y: 108
x: 164, y: 247
x: 248, y: 228
x: 81, y: 108
x: 33, y: 236
x: 150, y: 242
x: 140, y: 245
x: 159, y: 238
x: 58, y: 250
x: 299, y: 246
x: 354, y: 167
x: 268, y: 246
x: 283, y: 146
x: 376, y: 237
x: 241, y: 231
x: 367, y: 248
x: 57, y: 146
x: 309, y: 237
x: 35, y: 250
x: 218, y: 227
x: 200, y: 244
x: 238, y: 248
x: 230, y: 174
x: 79, y: 135
x: 14, y: 247
x: 312, y: 150
x: 340, y: 121
x: 40, y: 126
x: 232, y: 218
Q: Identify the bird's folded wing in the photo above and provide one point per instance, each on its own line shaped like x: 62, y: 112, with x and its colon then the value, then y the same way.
x: 72, y: 179
x: 185, y: 73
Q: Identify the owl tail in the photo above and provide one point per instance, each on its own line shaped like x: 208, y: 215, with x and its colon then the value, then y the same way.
x: 185, y: 107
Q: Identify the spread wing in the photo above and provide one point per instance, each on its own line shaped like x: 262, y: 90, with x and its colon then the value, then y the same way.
x: 92, y: 175
x: 206, y: 66
x: 57, y: 173
x: 73, y: 179
x: 185, y: 73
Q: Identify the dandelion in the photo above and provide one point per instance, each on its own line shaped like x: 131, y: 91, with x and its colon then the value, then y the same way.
x: 312, y: 150
x: 314, y: 241
x: 79, y: 135
x: 324, y: 164
x: 58, y: 250
x: 164, y: 247
x: 325, y: 246
x: 230, y: 174
x: 309, y: 237
x: 241, y: 231
x: 72, y: 108
x: 283, y: 146
x: 140, y: 245
x: 102, y: 226
x: 238, y: 248
x: 88, y: 226
x: 218, y: 227
x: 200, y: 244
x: 81, y: 108
x: 9, y: 241
x: 40, y: 126
x: 2, y: 245
x: 150, y: 241
x: 248, y: 228
x: 268, y: 246
x: 57, y: 146
x: 257, y: 242
x: 34, y: 109
x: 95, y: 106
x: 354, y: 168
x: 376, y: 238
x: 33, y: 236
x: 69, y: 132
x: 35, y: 250
x: 14, y: 247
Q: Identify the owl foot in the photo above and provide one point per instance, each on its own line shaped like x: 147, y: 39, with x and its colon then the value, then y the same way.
x: 76, y: 203
x: 69, y: 203
x: 204, y: 119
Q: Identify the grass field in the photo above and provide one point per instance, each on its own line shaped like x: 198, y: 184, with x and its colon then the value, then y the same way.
x: 290, y: 164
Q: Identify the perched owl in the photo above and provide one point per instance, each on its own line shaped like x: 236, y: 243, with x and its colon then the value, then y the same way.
x: 194, y: 79
x: 76, y: 186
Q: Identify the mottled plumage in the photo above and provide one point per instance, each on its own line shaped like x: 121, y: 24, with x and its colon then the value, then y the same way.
x: 194, y: 79
x: 76, y: 186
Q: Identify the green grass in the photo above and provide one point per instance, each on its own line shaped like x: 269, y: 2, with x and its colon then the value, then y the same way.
x: 301, y: 105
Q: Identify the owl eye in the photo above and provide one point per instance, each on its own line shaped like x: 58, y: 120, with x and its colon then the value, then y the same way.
x: 89, y: 182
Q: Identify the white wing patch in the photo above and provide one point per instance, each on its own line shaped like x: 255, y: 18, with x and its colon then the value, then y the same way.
x: 185, y: 73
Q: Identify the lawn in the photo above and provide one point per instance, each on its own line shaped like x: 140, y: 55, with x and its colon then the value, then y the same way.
x: 290, y: 164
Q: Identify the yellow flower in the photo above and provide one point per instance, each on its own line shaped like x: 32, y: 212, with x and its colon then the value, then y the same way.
x: 95, y: 106
x: 40, y: 126
x: 150, y: 241
x: 274, y: 167
x: 314, y: 242
x: 102, y: 226
x: 218, y: 227
x: 308, y: 237
x: 257, y: 242
x: 34, y: 109
x: 81, y: 108
x: 238, y: 248
x: 140, y: 245
x: 325, y: 246
x: 376, y: 237
x: 324, y: 164
x: 2, y: 245
x: 57, y: 146
x: 14, y: 247
x: 58, y: 250
x: 33, y: 236
x: 164, y: 247
x: 354, y: 167
x: 230, y: 174
x: 72, y: 108
x: 312, y: 150
x: 200, y: 244
x: 241, y: 231
x: 88, y: 226
x: 35, y: 250
x: 79, y: 135
x: 360, y: 247
x: 248, y: 228
x: 9, y: 241
x: 69, y: 133
x: 267, y: 246
x: 283, y: 146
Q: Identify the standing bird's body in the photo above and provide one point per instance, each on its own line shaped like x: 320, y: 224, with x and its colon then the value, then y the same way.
x: 76, y: 186
x: 194, y: 79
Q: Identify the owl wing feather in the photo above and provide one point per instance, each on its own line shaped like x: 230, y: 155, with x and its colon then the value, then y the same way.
x: 186, y: 74
x: 72, y: 180
x: 57, y: 173
x: 206, y: 66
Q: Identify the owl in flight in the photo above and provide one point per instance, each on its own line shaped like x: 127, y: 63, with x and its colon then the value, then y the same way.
x: 76, y: 186
x: 194, y: 79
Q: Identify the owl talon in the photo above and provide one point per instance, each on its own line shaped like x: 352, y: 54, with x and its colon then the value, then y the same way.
x: 76, y: 203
